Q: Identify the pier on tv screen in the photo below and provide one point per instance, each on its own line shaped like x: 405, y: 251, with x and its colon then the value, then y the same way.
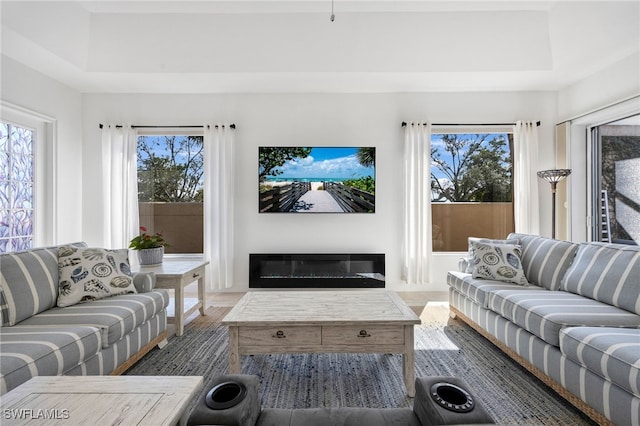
x: 316, y: 179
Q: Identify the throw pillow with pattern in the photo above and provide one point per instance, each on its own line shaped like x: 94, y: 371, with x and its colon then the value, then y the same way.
x: 469, y: 258
x: 500, y: 262
x: 87, y: 274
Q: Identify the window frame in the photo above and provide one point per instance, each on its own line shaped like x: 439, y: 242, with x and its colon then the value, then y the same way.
x: 160, y: 131
x: 44, y: 167
x: 470, y: 129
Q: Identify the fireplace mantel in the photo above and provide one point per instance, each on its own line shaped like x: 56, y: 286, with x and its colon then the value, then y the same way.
x: 316, y: 270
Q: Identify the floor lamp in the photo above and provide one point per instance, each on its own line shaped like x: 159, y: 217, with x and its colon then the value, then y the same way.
x: 553, y: 177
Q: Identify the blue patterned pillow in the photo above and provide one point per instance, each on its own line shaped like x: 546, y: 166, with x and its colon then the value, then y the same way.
x: 500, y: 262
x: 92, y: 273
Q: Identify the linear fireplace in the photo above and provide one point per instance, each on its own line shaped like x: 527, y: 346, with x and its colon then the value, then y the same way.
x: 316, y: 270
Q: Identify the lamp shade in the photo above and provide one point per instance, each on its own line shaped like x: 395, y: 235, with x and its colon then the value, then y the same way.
x: 554, y: 175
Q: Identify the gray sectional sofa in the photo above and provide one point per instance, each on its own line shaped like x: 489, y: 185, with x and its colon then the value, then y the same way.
x: 97, y: 337
x: 576, y: 325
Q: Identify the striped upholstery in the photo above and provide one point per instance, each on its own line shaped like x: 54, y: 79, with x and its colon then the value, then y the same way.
x: 115, y: 316
x: 4, y: 309
x: 29, y: 281
x: 144, y: 281
x: 607, y: 398
x: 43, y: 351
x: 108, y: 359
x: 544, y: 260
x: 478, y: 290
x: 614, y: 354
x: 609, y: 273
x: 545, y: 313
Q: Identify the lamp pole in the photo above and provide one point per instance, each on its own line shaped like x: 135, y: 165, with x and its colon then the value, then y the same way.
x: 553, y: 176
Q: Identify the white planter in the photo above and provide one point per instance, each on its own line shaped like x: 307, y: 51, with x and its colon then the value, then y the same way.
x: 152, y: 256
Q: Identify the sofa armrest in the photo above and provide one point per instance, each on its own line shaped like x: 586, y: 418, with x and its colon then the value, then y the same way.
x: 144, y: 281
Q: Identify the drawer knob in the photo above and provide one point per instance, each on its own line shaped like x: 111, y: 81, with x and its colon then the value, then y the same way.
x: 196, y: 275
x: 363, y: 333
x: 279, y: 335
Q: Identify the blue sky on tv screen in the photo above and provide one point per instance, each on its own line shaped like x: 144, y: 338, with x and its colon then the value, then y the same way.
x: 325, y: 164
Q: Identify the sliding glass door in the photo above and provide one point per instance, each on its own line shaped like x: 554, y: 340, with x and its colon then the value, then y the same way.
x: 615, y: 200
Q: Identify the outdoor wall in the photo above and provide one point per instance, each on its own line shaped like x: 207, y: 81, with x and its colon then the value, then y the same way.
x: 314, y: 120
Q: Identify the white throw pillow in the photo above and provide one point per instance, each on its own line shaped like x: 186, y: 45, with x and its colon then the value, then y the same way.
x: 87, y: 274
x: 500, y: 262
x: 469, y: 258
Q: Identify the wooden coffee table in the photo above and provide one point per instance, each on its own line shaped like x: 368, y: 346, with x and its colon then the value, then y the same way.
x: 322, y: 321
x: 100, y: 400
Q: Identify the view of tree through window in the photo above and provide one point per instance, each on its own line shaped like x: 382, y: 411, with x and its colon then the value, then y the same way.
x: 170, y: 189
x: 471, y: 167
x: 170, y: 168
x: 16, y: 188
x: 471, y: 187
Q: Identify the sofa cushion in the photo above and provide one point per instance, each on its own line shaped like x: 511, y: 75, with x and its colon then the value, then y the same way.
x: 500, y: 262
x: 608, y: 273
x: 29, y: 351
x: 92, y: 273
x: 612, y: 353
x: 29, y: 281
x: 478, y: 290
x: 545, y: 313
x: 114, y: 316
x: 545, y: 260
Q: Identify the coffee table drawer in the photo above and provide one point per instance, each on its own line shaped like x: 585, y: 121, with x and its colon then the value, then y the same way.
x: 363, y: 335
x: 280, y: 336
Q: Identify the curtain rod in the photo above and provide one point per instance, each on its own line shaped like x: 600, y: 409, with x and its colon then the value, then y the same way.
x: 119, y: 126
x: 404, y: 123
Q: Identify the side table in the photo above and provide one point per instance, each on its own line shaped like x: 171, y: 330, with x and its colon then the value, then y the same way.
x: 177, y: 274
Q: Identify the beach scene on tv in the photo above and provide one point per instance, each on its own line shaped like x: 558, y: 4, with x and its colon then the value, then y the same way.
x: 317, y: 179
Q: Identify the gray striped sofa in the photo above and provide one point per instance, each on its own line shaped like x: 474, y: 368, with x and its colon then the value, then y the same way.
x: 100, y: 337
x: 576, y: 326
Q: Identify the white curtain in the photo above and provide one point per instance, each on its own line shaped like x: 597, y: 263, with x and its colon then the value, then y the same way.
x: 218, y: 204
x: 120, y: 185
x: 417, y: 245
x: 525, y: 181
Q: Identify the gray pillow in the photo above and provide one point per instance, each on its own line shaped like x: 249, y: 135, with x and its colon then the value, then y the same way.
x: 500, y: 262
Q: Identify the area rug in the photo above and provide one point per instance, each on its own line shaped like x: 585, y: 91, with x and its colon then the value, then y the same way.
x: 443, y: 346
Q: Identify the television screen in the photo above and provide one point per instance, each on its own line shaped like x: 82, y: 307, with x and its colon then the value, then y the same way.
x: 316, y: 179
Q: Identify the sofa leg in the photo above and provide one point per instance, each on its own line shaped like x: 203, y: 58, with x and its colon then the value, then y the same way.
x: 162, y: 343
x: 452, y: 314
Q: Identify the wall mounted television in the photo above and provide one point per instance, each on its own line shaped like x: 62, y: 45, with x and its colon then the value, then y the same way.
x: 316, y: 179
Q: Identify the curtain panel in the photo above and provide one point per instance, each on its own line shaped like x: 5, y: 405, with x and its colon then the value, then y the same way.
x: 120, y: 185
x: 416, y: 244
x: 218, y: 204
x: 525, y: 181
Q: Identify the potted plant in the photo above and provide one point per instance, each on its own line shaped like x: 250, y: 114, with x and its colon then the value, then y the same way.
x: 150, y: 247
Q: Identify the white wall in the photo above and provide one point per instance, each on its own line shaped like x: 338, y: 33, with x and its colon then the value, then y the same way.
x: 583, y: 103
x: 33, y: 91
x: 313, y: 119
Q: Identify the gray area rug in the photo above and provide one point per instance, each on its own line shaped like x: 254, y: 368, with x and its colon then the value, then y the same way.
x: 443, y: 346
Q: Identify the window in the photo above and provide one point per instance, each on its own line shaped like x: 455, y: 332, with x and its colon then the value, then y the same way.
x: 170, y: 189
x: 471, y: 187
x: 616, y: 183
x: 16, y: 187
